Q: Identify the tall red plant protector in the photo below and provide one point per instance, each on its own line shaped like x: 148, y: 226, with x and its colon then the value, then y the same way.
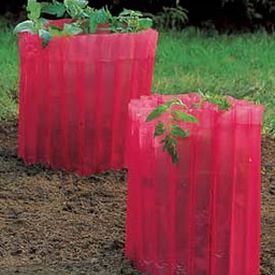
x: 202, y: 215
x: 74, y: 97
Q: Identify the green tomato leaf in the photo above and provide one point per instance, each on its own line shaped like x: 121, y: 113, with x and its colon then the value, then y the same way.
x: 40, y: 24
x: 55, y: 31
x: 145, y: 23
x: 34, y: 9
x: 92, y: 24
x: 170, y: 103
x: 180, y: 115
x: 76, y: 4
x: 81, y: 3
x: 56, y: 8
x: 179, y: 132
x: 25, y: 26
x: 72, y: 29
x: 159, y: 129
x: 102, y: 16
x: 161, y: 109
x: 169, y: 145
x: 46, y: 37
x: 130, y: 13
x: 77, y: 8
x: 179, y: 102
x: 43, y: 21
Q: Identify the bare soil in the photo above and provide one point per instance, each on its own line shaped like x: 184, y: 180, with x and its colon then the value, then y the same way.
x: 53, y: 222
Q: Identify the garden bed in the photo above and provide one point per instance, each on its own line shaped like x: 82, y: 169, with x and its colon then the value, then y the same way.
x: 57, y: 223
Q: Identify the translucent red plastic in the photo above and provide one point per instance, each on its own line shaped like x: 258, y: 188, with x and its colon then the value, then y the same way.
x: 74, y: 96
x: 201, y: 216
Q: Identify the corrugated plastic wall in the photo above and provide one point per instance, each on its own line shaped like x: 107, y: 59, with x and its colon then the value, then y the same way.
x: 74, y: 97
x: 201, y: 216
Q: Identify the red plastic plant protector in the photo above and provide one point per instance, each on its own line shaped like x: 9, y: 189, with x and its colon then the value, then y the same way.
x: 74, y: 96
x: 202, y: 215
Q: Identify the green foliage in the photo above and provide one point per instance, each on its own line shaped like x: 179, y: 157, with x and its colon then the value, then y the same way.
x: 102, y: 16
x: 72, y: 29
x: 77, y: 9
x: 55, y: 8
x: 34, y: 10
x: 55, y: 31
x: 35, y: 24
x: 84, y: 19
x: 161, y: 109
x: 46, y: 37
x: 219, y: 100
x: 130, y: 21
x: 68, y: 30
x: 178, y: 131
x: 170, y: 18
x: 170, y: 145
x: 182, y: 116
x: 26, y: 26
x: 171, y: 129
x: 160, y: 129
x: 92, y: 24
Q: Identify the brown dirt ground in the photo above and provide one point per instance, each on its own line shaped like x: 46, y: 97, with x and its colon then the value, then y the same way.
x: 52, y: 222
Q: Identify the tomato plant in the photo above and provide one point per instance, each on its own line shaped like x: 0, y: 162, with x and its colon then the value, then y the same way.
x: 171, y: 130
x: 85, y: 19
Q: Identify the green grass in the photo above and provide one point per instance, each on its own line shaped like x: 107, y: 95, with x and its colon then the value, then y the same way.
x: 238, y: 65
x: 8, y: 73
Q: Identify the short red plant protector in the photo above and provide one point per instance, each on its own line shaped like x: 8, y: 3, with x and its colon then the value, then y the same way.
x: 202, y: 215
x: 74, y: 96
